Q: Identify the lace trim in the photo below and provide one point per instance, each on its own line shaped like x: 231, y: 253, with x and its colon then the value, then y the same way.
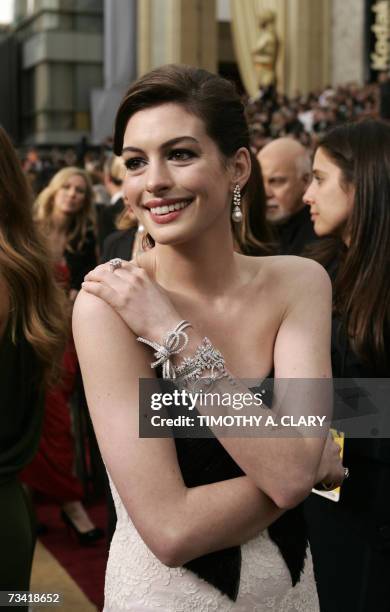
x: 137, y: 581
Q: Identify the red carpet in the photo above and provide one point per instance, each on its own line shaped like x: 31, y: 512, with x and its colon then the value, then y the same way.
x: 85, y: 564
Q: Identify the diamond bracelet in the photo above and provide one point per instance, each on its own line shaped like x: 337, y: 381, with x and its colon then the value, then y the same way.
x: 206, y: 360
x: 169, y: 347
x: 206, y: 366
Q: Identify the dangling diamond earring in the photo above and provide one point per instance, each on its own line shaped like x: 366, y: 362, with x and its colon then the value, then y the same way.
x: 237, y: 214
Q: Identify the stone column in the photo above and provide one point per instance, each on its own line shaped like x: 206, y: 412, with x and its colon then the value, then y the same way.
x: 347, y: 49
x: 308, y: 44
x: 173, y: 31
x: 120, y: 61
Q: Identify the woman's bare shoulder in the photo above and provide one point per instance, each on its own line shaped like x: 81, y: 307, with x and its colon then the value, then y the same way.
x: 289, y: 270
x: 101, y: 335
x: 87, y: 303
x: 282, y: 264
x: 288, y: 280
x: 94, y: 312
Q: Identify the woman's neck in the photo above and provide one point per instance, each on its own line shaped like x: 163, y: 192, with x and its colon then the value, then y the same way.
x: 60, y: 223
x: 197, y: 267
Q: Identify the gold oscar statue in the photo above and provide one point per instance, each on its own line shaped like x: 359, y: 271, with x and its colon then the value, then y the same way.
x: 265, y: 52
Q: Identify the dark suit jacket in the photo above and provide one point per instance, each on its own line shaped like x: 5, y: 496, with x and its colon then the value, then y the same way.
x: 119, y: 244
x: 81, y: 260
x: 295, y: 233
x: 106, y: 218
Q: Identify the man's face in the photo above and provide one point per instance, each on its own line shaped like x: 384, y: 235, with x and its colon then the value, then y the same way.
x: 284, y: 185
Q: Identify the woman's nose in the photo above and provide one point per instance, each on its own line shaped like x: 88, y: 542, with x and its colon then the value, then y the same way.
x: 158, y: 178
x: 308, y: 195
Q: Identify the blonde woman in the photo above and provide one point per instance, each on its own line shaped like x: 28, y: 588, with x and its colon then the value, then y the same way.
x: 64, y: 212
x: 33, y: 328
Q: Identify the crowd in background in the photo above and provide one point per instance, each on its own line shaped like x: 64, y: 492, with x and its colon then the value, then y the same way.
x: 308, y: 117
x: 270, y: 115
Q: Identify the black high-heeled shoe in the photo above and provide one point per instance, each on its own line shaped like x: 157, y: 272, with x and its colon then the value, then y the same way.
x: 84, y: 537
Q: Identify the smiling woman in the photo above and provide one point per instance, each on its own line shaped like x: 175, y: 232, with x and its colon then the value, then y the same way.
x: 163, y: 210
x: 252, y: 236
x: 200, y: 523
x: 176, y: 187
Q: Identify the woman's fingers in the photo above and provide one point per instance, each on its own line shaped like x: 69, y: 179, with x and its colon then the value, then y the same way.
x: 128, y: 288
x: 101, y: 290
x: 139, y: 267
x: 118, y: 287
x: 105, y: 272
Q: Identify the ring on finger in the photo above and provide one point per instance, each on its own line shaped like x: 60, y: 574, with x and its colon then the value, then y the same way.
x: 115, y: 264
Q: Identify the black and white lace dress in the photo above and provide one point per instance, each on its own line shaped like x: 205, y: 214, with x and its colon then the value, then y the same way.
x: 255, y: 577
x: 137, y: 581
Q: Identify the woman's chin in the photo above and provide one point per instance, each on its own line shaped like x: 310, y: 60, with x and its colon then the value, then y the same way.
x: 320, y: 230
x: 170, y: 236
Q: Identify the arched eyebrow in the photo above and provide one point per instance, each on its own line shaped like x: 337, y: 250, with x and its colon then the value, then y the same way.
x: 320, y: 173
x: 165, y: 145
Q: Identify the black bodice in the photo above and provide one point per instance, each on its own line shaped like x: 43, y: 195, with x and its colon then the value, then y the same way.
x: 203, y: 460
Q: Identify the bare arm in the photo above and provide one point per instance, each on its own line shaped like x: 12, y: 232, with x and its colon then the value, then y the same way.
x: 286, y: 468
x: 177, y: 523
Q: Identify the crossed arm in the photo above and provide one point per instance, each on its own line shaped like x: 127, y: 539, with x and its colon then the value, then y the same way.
x: 179, y: 523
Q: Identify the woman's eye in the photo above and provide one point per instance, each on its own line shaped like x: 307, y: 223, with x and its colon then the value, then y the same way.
x: 181, y: 154
x: 133, y: 163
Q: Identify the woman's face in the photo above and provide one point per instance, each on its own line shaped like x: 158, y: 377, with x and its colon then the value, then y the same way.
x: 175, y: 180
x: 70, y: 197
x: 330, y: 204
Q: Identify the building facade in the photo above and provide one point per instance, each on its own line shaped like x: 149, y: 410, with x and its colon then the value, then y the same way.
x: 60, y: 61
x: 74, y: 59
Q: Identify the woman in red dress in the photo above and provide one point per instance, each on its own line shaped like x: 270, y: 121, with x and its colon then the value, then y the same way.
x: 63, y: 212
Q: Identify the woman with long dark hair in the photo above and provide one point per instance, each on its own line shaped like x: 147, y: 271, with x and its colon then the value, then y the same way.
x: 349, y: 198
x: 33, y: 327
x: 202, y: 523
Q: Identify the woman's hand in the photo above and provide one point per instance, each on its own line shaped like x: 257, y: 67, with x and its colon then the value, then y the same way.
x: 140, y: 302
x: 330, y: 470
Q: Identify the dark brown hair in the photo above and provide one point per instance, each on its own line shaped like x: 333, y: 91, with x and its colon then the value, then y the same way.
x: 37, y: 303
x: 362, y: 284
x: 215, y: 101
